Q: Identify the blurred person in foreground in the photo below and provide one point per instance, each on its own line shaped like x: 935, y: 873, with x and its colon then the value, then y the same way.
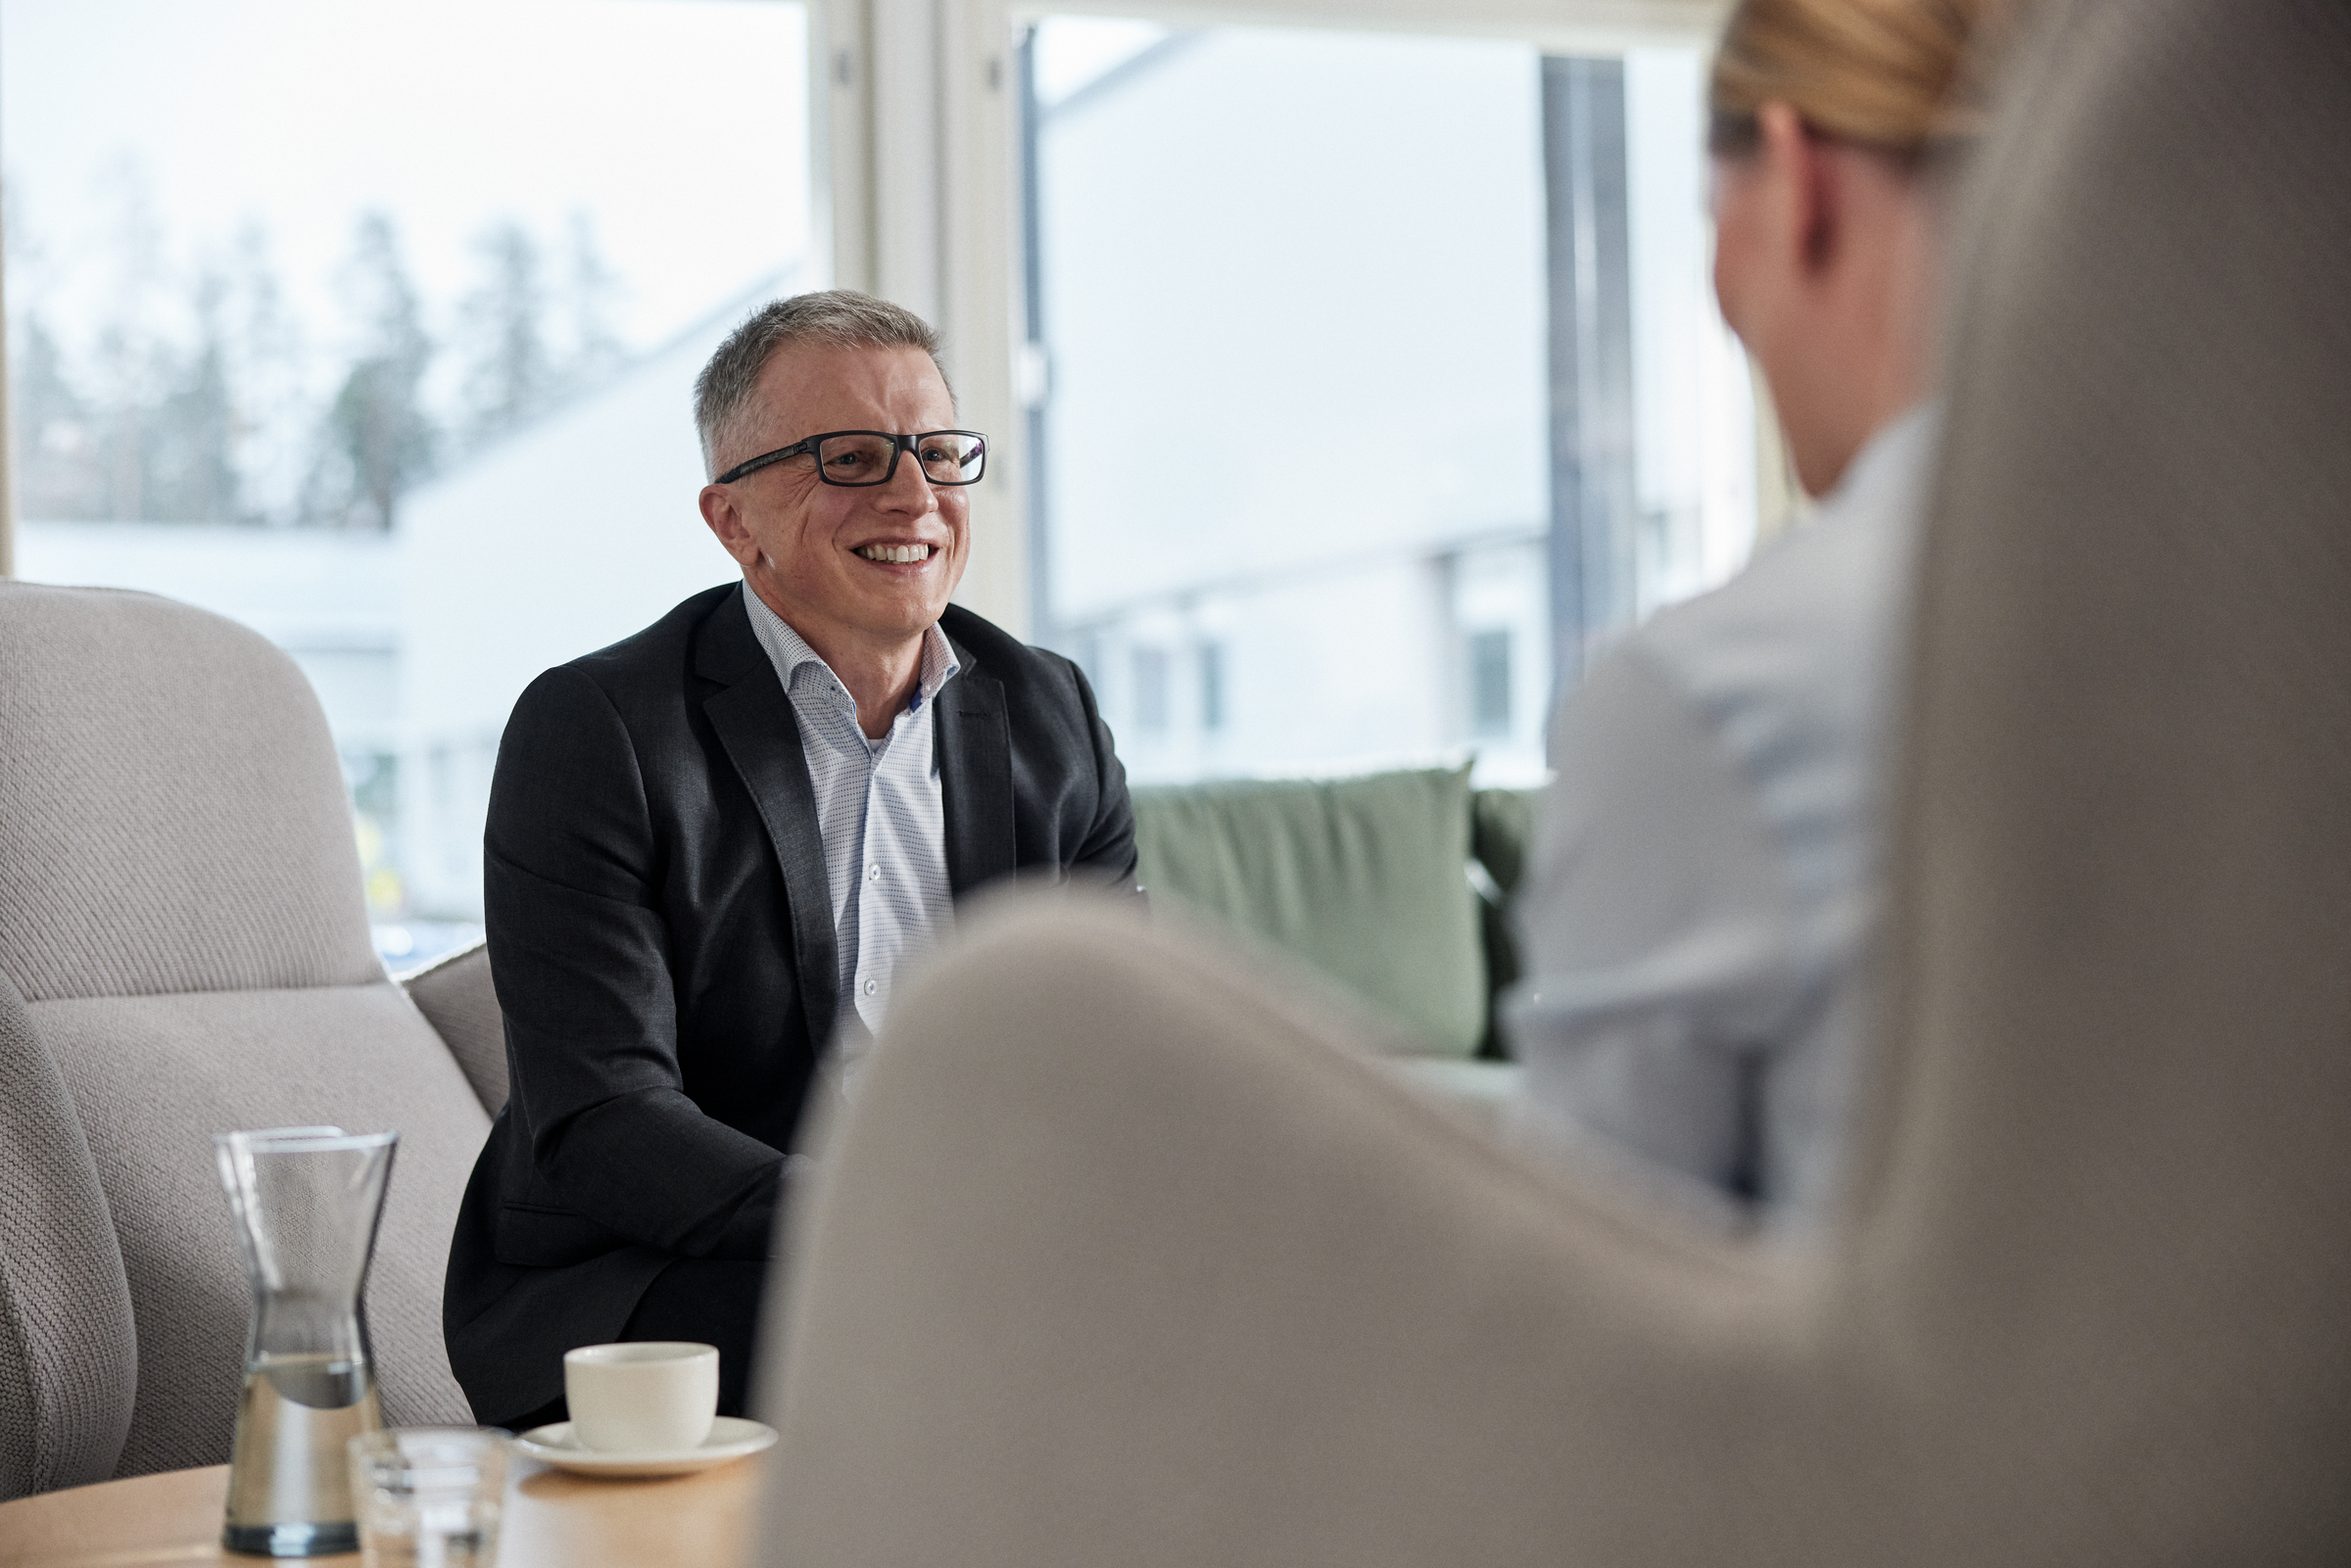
x: 1701, y: 887
x: 714, y: 847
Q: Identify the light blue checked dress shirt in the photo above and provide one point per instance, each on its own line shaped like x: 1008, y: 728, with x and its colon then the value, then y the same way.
x: 878, y: 808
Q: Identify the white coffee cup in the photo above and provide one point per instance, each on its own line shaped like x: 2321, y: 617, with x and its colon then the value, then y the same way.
x: 655, y: 1397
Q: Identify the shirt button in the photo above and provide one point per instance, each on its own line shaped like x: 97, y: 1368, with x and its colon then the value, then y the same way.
x: 871, y: 986
x: 873, y: 873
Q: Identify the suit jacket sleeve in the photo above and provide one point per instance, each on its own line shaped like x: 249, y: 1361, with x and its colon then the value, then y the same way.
x: 572, y: 864
x: 1107, y: 848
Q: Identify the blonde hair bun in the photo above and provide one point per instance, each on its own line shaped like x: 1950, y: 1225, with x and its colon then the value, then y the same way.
x: 1891, y: 74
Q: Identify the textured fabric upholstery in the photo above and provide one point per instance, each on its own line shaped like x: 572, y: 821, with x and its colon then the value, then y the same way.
x: 180, y: 903
x: 456, y: 996
x: 69, y: 1357
x: 171, y: 815
x: 1117, y: 1257
x: 355, y: 1057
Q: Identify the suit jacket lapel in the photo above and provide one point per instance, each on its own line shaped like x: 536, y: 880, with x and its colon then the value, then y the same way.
x: 761, y: 734
x: 975, y: 770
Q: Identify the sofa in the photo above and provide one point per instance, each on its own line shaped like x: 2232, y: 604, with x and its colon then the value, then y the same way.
x: 1387, y: 889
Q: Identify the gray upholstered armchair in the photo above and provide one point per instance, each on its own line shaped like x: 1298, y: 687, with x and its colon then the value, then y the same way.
x: 456, y: 995
x: 183, y: 950
x: 1119, y: 1256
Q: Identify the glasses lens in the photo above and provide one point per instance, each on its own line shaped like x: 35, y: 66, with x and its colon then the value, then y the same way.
x: 952, y: 456
x: 856, y: 459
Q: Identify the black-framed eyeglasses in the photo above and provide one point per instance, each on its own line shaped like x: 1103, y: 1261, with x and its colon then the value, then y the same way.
x: 870, y: 456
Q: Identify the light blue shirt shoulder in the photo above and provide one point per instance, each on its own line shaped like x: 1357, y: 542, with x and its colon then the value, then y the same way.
x: 1789, y: 667
x: 1701, y: 889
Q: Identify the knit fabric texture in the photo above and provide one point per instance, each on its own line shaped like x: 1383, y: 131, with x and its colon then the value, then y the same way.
x: 172, y: 813
x: 456, y: 996
x: 68, y: 1358
x: 157, y: 1076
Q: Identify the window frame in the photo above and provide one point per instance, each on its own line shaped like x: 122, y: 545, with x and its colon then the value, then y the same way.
x: 924, y: 208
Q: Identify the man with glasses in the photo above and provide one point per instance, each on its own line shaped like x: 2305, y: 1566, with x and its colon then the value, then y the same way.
x: 713, y: 848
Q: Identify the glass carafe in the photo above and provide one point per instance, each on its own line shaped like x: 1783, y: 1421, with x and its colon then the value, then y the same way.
x: 306, y: 1201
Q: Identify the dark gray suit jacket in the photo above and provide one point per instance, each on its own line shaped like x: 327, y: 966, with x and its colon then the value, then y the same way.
x: 661, y: 939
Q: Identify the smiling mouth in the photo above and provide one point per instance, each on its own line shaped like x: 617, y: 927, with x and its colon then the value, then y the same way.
x: 898, y: 555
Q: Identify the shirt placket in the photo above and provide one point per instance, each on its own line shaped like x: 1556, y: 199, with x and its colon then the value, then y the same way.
x: 871, y: 981
x: 872, y: 950
x: 883, y: 920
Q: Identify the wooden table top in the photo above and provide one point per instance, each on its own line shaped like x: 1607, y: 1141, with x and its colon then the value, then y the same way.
x: 553, y: 1520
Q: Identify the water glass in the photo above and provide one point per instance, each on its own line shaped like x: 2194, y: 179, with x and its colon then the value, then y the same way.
x: 429, y: 1496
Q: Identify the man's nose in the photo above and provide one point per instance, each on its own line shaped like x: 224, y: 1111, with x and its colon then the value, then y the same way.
x: 914, y: 491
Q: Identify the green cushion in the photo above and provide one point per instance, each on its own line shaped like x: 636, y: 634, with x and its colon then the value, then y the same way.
x: 1360, y: 877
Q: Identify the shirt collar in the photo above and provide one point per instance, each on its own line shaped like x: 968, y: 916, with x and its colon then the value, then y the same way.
x: 940, y: 665
x: 790, y: 651
x: 1898, y: 455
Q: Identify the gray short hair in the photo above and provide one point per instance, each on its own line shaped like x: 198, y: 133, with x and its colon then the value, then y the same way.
x: 842, y: 318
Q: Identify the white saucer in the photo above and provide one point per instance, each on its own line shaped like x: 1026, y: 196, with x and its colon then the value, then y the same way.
x: 729, y: 1439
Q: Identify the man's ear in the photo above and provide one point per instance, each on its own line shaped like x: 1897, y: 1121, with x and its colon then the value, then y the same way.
x: 726, y: 521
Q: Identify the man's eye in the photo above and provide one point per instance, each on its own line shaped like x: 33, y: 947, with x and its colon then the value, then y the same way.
x: 847, y: 462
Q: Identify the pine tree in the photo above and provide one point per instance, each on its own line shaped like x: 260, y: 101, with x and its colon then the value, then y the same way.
x: 379, y: 440
x: 509, y: 374
x: 55, y: 455
x: 273, y: 408
x: 133, y: 358
x: 192, y: 460
x: 593, y: 291
x: 53, y: 445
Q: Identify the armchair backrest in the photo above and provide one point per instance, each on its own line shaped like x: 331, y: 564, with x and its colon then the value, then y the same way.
x: 180, y: 908
x: 2108, y: 1195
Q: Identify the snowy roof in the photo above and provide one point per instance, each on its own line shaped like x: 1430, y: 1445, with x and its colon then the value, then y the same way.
x: 305, y: 589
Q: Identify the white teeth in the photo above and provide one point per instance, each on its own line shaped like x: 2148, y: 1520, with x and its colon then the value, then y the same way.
x: 903, y: 554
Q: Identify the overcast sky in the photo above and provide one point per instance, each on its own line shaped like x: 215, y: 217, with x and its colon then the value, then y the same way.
x: 679, y: 124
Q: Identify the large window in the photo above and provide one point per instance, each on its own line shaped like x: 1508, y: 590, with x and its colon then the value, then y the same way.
x: 1352, y: 387
x: 372, y: 323
x: 1375, y: 380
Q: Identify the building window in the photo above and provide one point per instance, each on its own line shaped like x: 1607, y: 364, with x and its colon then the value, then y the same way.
x: 1087, y: 654
x: 1490, y: 682
x: 1269, y: 191
x: 1151, y: 690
